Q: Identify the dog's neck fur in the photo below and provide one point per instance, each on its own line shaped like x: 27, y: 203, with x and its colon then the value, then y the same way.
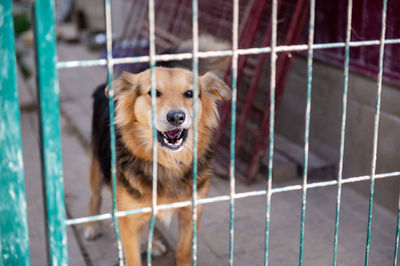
x: 137, y: 174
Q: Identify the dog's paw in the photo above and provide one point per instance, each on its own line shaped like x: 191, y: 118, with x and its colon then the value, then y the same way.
x: 157, y: 249
x: 91, y: 230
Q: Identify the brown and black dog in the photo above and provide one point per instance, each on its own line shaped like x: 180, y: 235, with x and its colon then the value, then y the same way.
x: 134, y: 140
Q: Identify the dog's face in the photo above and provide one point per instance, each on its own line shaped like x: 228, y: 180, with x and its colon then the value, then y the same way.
x: 174, y: 112
x: 174, y: 97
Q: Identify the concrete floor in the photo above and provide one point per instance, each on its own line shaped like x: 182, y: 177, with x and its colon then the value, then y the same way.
x: 213, y: 237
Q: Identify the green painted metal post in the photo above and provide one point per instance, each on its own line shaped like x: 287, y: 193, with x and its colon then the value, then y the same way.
x: 14, y: 241
x: 48, y: 91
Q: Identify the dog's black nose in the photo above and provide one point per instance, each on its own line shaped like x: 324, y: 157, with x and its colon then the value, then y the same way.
x: 176, y: 117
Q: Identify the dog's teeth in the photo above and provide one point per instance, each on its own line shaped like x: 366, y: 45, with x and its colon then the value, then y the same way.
x: 179, y: 142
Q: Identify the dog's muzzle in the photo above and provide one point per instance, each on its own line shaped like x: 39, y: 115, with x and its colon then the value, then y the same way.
x: 174, y: 139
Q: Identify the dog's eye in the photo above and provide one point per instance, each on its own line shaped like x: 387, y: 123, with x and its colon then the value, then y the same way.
x: 188, y: 94
x: 158, y: 93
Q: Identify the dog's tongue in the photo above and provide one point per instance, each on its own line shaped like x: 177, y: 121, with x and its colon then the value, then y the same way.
x: 173, y: 133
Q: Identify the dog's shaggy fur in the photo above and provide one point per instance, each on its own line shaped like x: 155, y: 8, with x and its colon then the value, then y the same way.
x: 134, y: 142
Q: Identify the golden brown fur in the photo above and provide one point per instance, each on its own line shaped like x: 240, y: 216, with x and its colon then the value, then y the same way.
x: 134, y: 152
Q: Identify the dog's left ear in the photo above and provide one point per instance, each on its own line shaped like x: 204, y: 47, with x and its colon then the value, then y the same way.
x: 126, y: 81
x: 215, y: 86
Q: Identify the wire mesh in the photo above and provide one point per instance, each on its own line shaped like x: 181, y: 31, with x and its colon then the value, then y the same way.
x: 376, y: 129
x: 396, y: 241
x: 274, y: 17
x: 307, y: 126
x: 273, y: 49
x: 343, y: 128
x: 154, y: 131
x: 235, y: 43
x: 195, y: 124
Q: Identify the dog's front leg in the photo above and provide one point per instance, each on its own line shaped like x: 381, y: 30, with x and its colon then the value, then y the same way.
x: 184, y: 249
x: 92, y: 229
x: 130, y: 228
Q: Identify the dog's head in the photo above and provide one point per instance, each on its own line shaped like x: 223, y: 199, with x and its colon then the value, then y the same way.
x: 174, y: 112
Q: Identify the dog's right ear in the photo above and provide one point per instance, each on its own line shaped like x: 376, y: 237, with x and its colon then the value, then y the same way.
x: 216, y: 87
x: 127, y: 81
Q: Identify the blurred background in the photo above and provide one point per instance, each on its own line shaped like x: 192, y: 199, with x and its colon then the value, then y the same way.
x: 80, y: 28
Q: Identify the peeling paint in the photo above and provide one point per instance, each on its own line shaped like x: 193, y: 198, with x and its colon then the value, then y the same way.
x: 48, y: 89
x: 12, y: 194
x: 1, y: 16
x: 14, y: 241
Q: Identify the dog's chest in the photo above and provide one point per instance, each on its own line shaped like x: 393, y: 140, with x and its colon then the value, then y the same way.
x: 165, y: 216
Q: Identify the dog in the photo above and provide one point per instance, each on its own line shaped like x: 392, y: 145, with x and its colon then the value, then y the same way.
x: 134, y: 140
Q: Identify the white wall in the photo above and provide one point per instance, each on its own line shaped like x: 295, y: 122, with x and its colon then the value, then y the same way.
x: 326, y: 109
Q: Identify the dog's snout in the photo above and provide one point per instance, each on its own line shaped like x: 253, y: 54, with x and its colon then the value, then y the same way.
x: 176, y: 117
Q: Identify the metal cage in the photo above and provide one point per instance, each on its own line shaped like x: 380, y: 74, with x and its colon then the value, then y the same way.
x: 14, y: 242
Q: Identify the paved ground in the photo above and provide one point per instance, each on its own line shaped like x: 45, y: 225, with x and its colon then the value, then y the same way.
x: 76, y: 88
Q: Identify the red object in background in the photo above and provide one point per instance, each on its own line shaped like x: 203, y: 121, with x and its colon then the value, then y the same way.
x: 330, y: 26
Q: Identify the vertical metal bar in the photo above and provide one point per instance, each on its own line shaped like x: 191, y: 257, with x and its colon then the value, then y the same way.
x: 274, y: 18
x: 307, y: 126
x: 110, y: 66
x: 49, y: 115
x: 153, y: 118
x: 235, y: 27
x: 343, y: 127
x: 14, y: 241
x: 396, y: 243
x: 376, y: 129
x: 195, y: 133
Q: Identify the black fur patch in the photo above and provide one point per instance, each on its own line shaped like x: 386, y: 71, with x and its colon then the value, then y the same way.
x: 101, y: 131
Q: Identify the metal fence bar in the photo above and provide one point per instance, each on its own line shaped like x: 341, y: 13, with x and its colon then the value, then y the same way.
x: 343, y: 128
x: 153, y: 122
x: 246, y: 51
x: 14, y: 241
x: 274, y: 18
x: 112, y: 128
x: 307, y: 126
x: 50, y: 133
x: 227, y: 197
x: 396, y: 243
x: 195, y: 32
x: 376, y: 129
x: 235, y: 42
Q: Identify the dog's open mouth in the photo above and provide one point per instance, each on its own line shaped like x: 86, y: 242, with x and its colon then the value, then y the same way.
x: 172, y: 139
